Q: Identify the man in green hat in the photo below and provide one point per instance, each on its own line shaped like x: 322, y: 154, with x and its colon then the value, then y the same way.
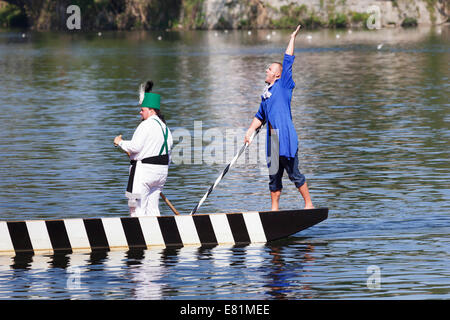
x: 149, y: 152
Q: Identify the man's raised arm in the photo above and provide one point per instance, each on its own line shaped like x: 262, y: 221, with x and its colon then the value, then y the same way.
x: 290, y: 47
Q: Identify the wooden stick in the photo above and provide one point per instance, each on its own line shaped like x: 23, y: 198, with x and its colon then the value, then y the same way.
x: 169, y: 204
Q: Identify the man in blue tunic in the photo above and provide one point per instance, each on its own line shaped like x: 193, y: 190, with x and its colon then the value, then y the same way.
x: 282, y: 140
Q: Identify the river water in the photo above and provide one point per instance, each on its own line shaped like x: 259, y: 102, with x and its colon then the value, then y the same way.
x: 371, y: 109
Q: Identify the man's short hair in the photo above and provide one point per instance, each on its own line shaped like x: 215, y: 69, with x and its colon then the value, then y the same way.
x: 279, y: 65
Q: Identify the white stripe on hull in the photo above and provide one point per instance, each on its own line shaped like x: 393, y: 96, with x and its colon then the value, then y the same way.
x: 222, y: 228
x: 187, y: 230
x: 152, y: 231
x: 77, y: 234
x: 114, y: 233
x: 5, y: 239
x: 254, y: 227
x: 39, y: 237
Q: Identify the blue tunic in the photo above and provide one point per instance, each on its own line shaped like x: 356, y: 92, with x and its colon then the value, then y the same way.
x: 276, y: 111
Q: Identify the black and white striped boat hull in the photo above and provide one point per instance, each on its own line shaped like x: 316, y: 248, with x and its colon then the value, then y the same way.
x: 72, y: 235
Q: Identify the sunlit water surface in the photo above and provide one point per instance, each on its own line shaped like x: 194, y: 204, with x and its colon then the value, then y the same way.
x: 374, y: 138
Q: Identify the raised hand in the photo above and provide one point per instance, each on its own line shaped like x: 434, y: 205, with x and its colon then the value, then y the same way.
x: 294, y: 34
x: 290, y: 47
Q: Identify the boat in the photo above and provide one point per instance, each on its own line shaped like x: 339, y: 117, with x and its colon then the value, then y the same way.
x: 110, y: 233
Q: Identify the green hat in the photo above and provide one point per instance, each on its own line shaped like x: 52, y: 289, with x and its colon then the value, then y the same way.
x: 151, y: 100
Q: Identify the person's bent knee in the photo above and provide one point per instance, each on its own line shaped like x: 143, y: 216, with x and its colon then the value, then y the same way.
x: 300, y: 183
x: 274, y: 188
x: 298, y: 179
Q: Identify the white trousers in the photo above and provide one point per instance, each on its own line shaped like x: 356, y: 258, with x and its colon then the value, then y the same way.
x: 148, y: 183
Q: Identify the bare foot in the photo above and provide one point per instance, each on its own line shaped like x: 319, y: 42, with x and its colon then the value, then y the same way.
x: 309, y: 206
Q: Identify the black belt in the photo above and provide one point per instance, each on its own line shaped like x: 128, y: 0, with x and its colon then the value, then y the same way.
x: 160, y: 160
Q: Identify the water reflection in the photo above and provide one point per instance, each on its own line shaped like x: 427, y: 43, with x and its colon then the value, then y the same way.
x: 288, y: 278
x: 294, y: 268
x: 253, y: 271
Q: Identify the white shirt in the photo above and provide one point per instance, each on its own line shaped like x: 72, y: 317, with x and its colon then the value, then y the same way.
x: 147, y: 140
